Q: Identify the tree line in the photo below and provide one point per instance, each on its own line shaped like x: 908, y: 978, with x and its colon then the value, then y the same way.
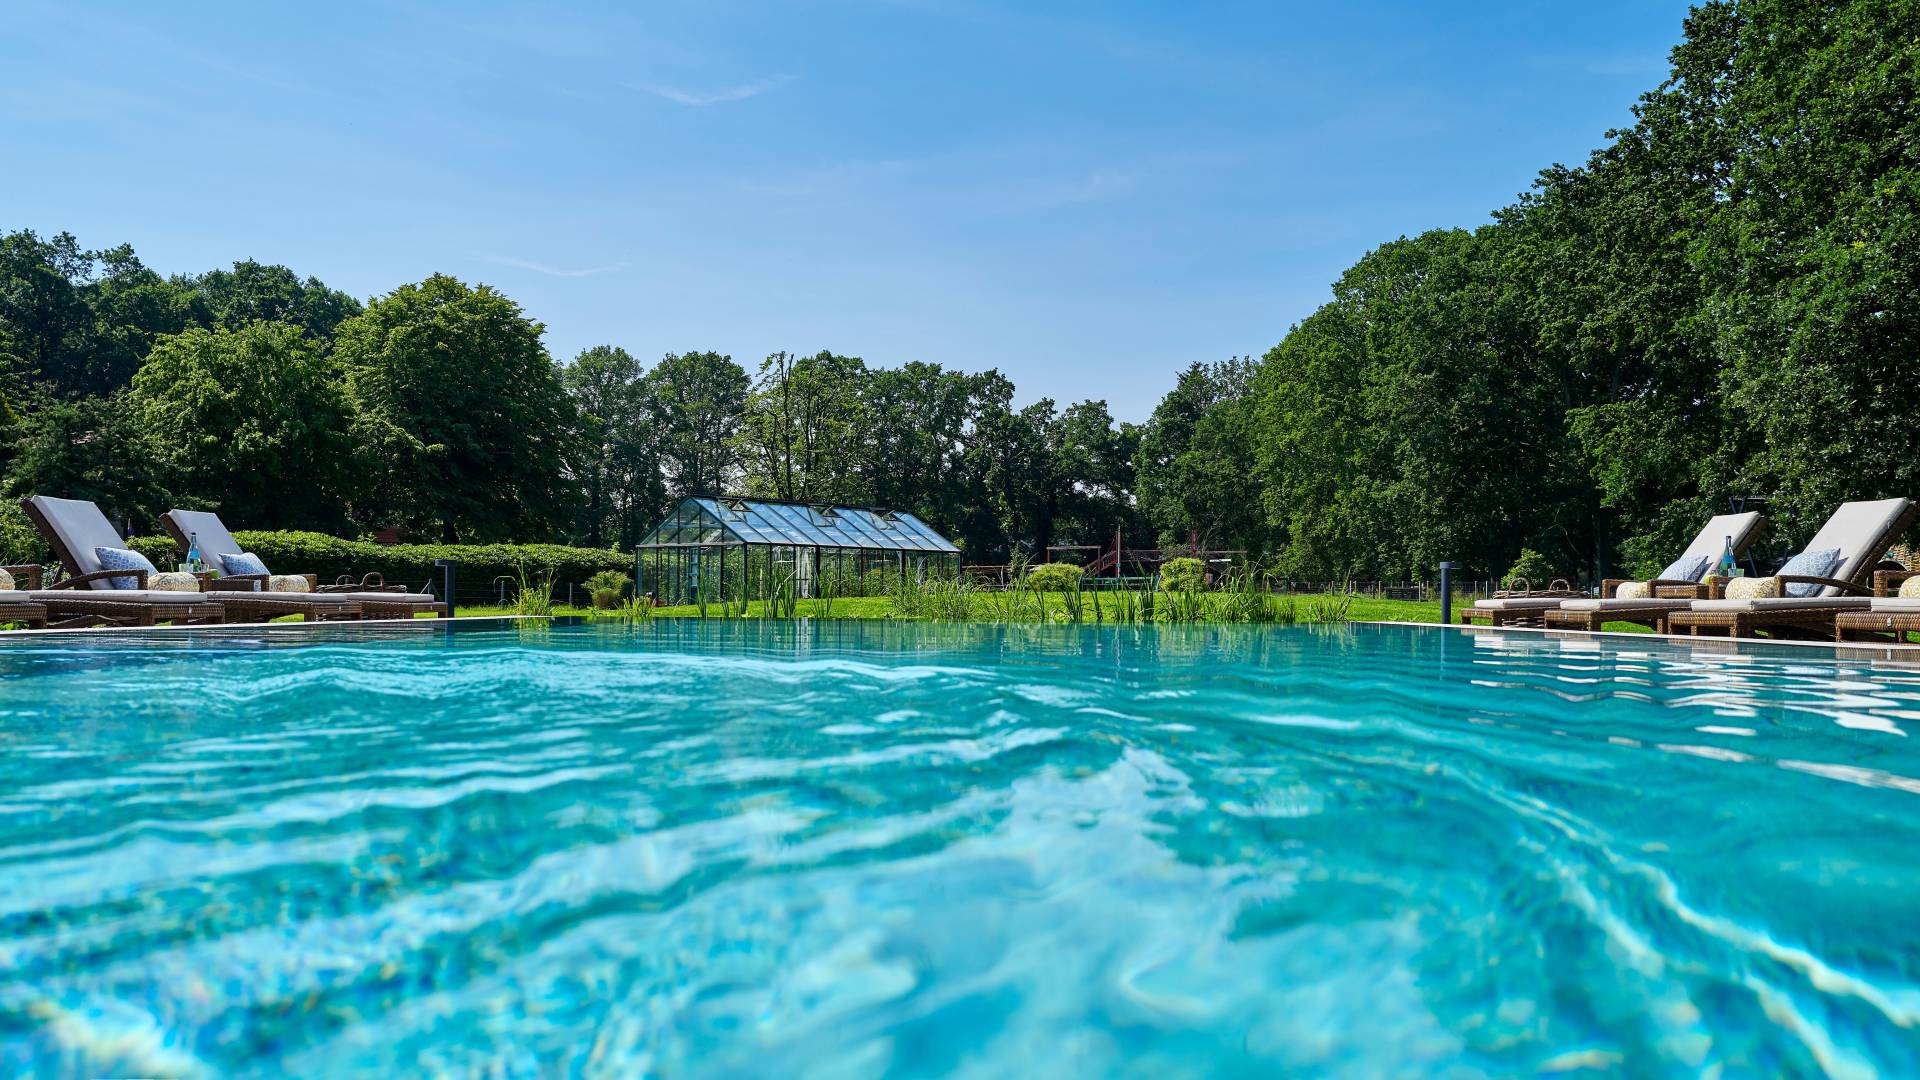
x: 1721, y: 301
x: 436, y: 411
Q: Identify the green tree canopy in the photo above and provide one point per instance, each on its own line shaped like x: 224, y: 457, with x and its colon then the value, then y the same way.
x: 464, y: 426
x: 623, y: 490
x: 253, y: 422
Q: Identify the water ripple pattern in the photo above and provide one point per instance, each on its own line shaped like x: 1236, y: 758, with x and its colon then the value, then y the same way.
x: 746, y: 849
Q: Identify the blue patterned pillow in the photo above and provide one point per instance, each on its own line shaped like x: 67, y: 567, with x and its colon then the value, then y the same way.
x: 1811, y: 564
x: 245, y: 562
x: 1685, y: 568
x: 112, y: 558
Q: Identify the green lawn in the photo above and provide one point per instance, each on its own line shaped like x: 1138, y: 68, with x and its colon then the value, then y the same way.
x: 1362, y: 609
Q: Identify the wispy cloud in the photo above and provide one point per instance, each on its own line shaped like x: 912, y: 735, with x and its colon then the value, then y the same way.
x: 699, y: 98
x: 553, y: 271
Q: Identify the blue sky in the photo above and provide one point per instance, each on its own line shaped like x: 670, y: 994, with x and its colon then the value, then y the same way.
x: 1088, y: 196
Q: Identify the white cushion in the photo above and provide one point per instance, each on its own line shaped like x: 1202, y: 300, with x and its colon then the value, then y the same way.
x: 1614, y: 603
x: 1896, y: 605
x: 1788, y: 603
x: 208, y: 531
x: 14, y: 596
x: 116, y: 596
x: 1712, y: 539
x: 388, y: 597
x: 1528, y: 603
x: 1861, y: 531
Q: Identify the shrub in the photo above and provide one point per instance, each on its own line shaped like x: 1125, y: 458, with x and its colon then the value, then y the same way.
x: 476, y: 566
x: 1053, y: 577
x: 1530, y: 565
x: 607, y: 587
x: 1183, y: 575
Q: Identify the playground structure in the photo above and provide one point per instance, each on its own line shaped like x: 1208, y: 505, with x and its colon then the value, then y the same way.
x: 1108, y: 567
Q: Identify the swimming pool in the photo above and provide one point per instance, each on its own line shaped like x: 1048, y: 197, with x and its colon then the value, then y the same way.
x: 854, y: 849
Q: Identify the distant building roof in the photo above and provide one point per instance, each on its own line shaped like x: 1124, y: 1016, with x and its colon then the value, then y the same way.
x: 703, y: 519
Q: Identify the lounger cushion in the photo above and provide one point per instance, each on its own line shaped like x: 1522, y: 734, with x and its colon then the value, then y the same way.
x: 119, y: 558
x: 1861, y: 531
x: 1518, y: 603
x: 1712, y: 538
x: 1783, y: 603
x: 1897, y: 605
x: 14, y: 596
x: 1634, y: 590
x: 389, y: 597
x: 1687, y: 567
x: 1753, y: 588
x: 285, y: 583
x: 80, y: 527
x: 173, y: 581
x: 1614, y: 603
x: 117, y: 596
x: 1811, y: 563
x: 241, y: 562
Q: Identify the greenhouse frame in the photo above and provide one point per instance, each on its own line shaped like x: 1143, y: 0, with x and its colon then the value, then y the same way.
x: 722, y: 549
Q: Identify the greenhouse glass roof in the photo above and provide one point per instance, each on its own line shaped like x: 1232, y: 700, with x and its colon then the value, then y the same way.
x: 708, y: 520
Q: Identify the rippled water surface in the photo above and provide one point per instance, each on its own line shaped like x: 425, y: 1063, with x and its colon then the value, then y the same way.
x: 729, y: 849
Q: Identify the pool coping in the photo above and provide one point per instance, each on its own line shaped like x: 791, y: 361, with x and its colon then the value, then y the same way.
x: 1905, y: 648
x: 303, y: 627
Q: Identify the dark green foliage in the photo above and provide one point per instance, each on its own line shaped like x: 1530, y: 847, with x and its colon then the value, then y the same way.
x: 410, y: 564
x: 253, y: 422
x: 618, y: 460
x: 463, y: 425
x: 1529, y: 568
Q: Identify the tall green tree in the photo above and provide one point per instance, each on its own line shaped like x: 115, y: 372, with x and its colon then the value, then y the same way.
x: 253, y: 422
x: 1196, y: 461
x: 698, y: 399
x: 801, y: 433
x: 465, y: 427
x: 623, y: 491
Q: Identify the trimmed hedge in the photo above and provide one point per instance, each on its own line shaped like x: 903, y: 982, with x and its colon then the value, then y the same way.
x: 476, y: 566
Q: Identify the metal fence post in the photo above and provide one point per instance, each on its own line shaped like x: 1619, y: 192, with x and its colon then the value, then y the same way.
x: 1446, y: 593
x: 446, y: 582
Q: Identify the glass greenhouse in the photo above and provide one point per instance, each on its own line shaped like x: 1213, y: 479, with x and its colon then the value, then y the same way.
x: 719, y: 549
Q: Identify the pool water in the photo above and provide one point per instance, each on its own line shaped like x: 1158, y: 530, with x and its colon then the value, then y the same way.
x: 863, y: 849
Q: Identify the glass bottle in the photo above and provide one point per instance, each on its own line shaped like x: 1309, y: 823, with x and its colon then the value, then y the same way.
x: 194, y: 564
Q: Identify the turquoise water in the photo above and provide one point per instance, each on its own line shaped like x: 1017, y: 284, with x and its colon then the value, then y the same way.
x: 727, y: 849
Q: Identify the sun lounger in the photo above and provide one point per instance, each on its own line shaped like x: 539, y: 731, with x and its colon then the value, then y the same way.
x: 1860, y: 531
x: 1667, y: 595
x: 215, y: 541
x: 87, y: 596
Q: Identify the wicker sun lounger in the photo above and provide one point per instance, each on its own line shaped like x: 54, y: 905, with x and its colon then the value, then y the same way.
x: 87, y: 596
x: 1889, y: 616
x: 16, y: 605
x: 376, y: 601
x: 1591, y: 613
x: 1860, y: 531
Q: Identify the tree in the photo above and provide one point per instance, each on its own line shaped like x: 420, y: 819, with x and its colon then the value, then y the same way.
x: 90, y: 448
x: 801, y: 433
x: 697, y: 401
x: 253, y: 422
x: 83, y: 320
x: 619, y: 469
x: 256, y: 292
x: 1196, y: 460
x: 464, y: 425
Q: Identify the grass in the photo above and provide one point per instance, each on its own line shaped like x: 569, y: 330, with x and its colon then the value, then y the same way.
x: 1360, y: 609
